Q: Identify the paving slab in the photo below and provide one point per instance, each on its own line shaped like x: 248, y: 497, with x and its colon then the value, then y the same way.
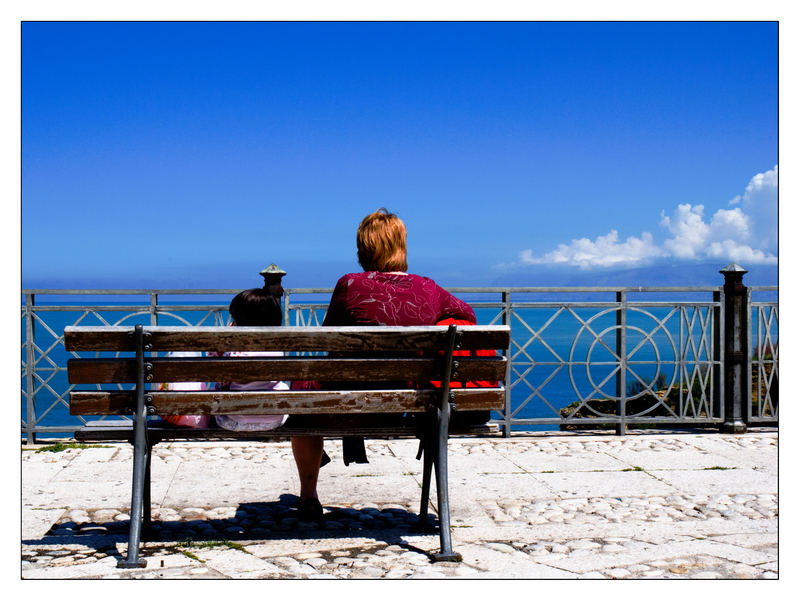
x: 495, y: 485
x: 604, y: 483
x: 211, y: 483
x: 90, y: 493
x: 368, y: 486
x: 36, y: 522
x: 490, y: 562
x: 741, y: 479
x: 37, y: 474
x: 541, y: 461
x: 648, y: 553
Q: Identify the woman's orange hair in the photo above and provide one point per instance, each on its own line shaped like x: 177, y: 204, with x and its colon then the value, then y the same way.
x: 381, y: 242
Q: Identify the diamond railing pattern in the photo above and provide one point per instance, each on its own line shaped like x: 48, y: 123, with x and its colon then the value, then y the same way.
x: 764, y: 372
x: 45, y: 389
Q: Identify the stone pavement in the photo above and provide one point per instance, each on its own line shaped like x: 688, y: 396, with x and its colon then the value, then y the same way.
x: 653, y: 504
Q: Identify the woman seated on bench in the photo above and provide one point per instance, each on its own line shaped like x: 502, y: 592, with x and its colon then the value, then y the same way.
x: 383, y: 294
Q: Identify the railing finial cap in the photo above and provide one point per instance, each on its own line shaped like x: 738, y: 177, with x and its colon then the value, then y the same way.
x: 272, y: 270
x: 733, y: 268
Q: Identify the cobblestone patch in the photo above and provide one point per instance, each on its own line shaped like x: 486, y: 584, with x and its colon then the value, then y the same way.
x: 763, y: 441
x: 644, y: 509
x: 226, y: 559
x: 667, y: 444
x: 680, y: 567
x: 671, y: 508
x: 246, y: 520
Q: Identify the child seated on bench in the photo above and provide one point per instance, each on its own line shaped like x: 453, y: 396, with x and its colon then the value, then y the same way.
x: 255, y: 307
x: 186, y: 421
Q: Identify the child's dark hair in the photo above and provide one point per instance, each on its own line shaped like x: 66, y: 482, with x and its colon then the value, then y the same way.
x: 256, y: 307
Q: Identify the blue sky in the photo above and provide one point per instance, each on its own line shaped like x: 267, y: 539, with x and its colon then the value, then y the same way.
x: 195, y: 154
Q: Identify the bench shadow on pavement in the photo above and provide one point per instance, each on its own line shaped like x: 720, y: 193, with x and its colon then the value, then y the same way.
x: 253, y: 522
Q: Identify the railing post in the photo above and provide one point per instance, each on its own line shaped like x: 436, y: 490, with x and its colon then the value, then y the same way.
x: 622, y: 317
x: 747, y: 408
x: 153, y: 309
x: 718, y: 364
x: 30, y: 365
x: 286, y: 307
x: 736, y: 354
x: 507, y: 408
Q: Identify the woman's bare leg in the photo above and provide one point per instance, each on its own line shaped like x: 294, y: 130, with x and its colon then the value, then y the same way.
x: 307, y: 452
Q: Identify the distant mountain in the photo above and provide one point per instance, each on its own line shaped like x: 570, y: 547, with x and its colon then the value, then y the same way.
x: 665, y: 274
x: 324, y: 274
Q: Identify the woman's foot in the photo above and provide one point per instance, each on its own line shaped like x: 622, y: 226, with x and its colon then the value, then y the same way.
x: 310, y: 510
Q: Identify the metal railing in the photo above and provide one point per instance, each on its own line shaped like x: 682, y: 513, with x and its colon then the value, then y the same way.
x: 764, y: 361
x: 579, y: 357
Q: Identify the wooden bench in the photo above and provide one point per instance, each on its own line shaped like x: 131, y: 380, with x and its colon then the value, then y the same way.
x: 354, y: 357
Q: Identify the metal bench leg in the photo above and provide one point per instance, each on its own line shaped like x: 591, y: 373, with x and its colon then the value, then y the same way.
x: 137, y: 498
x: 140, y: 457
x: 427, y: 468
x: 440, y: 459
x: 443, y: 499
x: 147, y: 511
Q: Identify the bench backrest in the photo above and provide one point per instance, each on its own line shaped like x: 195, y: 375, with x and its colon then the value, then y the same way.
x: 357, y: 358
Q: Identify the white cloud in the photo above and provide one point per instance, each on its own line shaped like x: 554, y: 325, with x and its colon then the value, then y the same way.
x: 744, y: 234
x: 728, y: 250
x: 605, y: 251
x: 730, y: 224
x: 689, y: 229
x: 728, y: 232
x: 760, y: 202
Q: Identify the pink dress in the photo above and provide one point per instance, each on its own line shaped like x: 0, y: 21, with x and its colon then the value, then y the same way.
x: 251, y: 423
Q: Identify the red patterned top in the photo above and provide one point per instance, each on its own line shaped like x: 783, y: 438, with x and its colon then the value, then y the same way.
x: 391, y: 299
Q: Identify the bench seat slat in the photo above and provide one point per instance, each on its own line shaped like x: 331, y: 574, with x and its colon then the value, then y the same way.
x: 248, y: 369
x: 284, y: 338
x: 115, y: 430
x: 280, y: 402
